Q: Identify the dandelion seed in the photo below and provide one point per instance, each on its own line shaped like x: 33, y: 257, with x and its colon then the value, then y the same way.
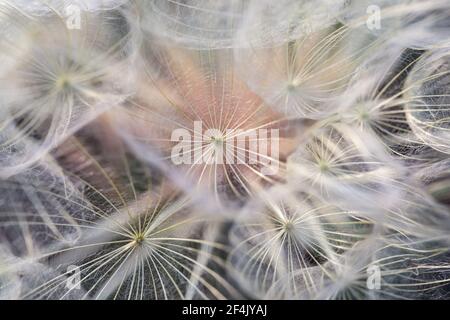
x: 301, y: 77
x: 197, y: 97
x: 56, y: 82
x: 286, y: 244
x: 151, y: 246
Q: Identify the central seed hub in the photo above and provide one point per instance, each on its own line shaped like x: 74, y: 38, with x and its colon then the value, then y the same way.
x: 323, y: 166
x: 63, y: 82
x: 139, y: 238
x: 217, y: 141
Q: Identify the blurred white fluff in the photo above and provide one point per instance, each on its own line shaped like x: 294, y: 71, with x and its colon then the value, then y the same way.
x: 41, y: 7
x: 209, y: 24
x: 267, y: 23
x: 194, y: 23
